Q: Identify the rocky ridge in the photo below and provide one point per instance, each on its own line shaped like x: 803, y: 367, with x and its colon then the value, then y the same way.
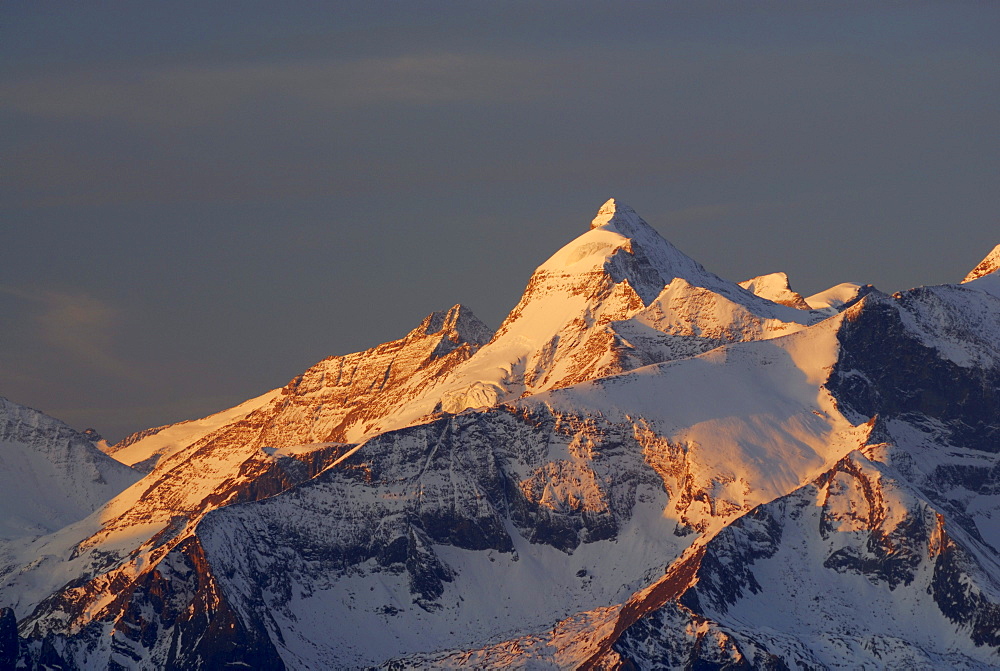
x: 989, y: 265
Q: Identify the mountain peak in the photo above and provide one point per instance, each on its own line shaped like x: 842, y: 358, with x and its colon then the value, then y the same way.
x: 987, y: 266
x: 457, y: 320
x: 614, y: 212
x: 775, y: 287
x: 621, y: 244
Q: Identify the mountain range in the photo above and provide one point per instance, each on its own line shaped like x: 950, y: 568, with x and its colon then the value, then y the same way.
x: 646, y: 466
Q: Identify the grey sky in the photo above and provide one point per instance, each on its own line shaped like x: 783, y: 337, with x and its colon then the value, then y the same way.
x: 199, y: 202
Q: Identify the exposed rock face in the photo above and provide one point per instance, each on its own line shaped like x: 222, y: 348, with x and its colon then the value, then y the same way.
x: 986, y: 267
x: 892, y: 364
x: 173, y: 616
x: 141, y: 598
x: 855, y: 565
x: 340, y: 399
x: 9, y: 643
x: 490, y: 484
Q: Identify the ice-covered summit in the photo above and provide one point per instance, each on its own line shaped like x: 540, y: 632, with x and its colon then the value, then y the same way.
x: 623, y: 246
x: 987, y: 266
x: 614, y: 212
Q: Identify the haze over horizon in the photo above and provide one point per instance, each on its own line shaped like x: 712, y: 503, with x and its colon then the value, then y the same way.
x: 200, y: 204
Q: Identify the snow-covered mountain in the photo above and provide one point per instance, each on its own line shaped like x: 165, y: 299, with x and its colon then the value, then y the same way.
x: 339, y: 399
x: 616, y: 298
x: 776, y: 287
x: 50, y: 474
x: 250, y: 452
x: 646, y: 466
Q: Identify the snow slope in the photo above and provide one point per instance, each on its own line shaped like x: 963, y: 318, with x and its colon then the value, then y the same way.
x: 50, y: 474
x: 775, y: 287
x: 144, y: 449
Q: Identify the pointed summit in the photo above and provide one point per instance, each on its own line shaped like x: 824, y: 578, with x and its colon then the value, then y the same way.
x: 615, y: 212
x: 622, y: 245
x: 987, y: 266
x: 459, y: 323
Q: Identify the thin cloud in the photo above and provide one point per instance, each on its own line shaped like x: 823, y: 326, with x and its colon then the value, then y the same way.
x: 77, y: 325
x: 191, y: 95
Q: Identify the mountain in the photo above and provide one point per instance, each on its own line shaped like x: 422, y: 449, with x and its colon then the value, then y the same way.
x: 253, y: 451
x: 775, y: 287
x: 888, y: 559
x: 885, y: 559
x: 50, y: 474
x: 514, y: 516
x: 616, y: 298
x: 339, y: 399
x: 645, y: 466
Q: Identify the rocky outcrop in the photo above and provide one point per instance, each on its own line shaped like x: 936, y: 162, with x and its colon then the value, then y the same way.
x: 891, y: 367
x: 344, y: 398
x: 987, y: 266
x: 171, y: 616
x: 9, y: 643
x: 855, y: 559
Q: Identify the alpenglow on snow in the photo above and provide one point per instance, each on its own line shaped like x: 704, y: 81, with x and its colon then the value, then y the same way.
x: 645, y: 466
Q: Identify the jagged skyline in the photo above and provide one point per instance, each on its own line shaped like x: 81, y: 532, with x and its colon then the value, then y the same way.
x: 646, y: 466
x: 201, y: 204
